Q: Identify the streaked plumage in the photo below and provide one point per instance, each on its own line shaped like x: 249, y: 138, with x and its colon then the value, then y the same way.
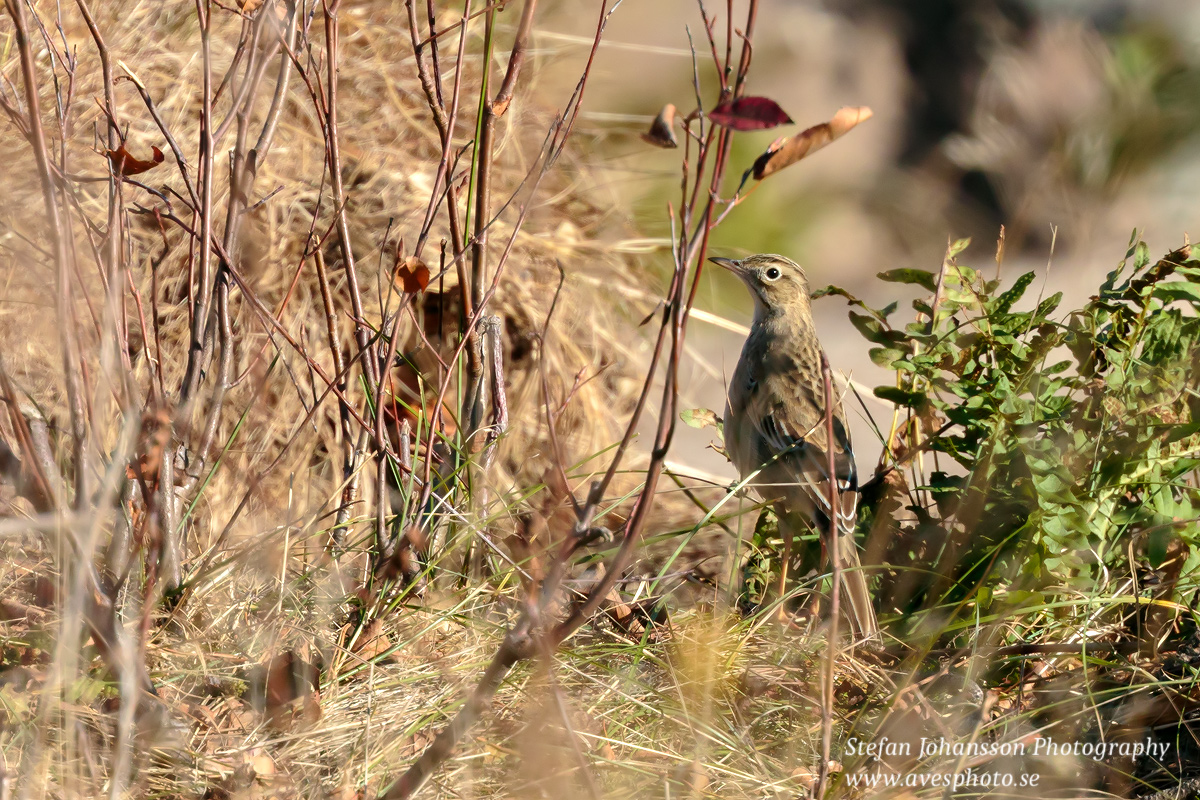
x: 775, y: 421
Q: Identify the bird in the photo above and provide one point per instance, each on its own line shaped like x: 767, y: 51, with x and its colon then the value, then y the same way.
x: 776, y: 429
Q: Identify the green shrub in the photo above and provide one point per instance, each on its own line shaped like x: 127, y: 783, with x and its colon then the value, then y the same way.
x: 1064, y: 441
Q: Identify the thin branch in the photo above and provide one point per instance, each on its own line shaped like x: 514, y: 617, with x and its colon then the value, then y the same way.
x: 61, y: 251
x: 831, y: 651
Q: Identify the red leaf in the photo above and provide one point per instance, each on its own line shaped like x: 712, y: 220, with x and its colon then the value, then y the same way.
x: 749, y: 114
x: 412, y: 275
x: 125, y: 165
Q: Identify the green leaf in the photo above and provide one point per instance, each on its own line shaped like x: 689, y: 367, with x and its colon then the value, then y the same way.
x: 886, y: 356
x: 957, y: 248
x: 920, y: 277
x: 1047, y: 305
x: 901, y: 397
x: 1005, y: 301
x: 1157, y: 544
x: 1177, y: 290
x: 1179, y: 432
x: 1141, y: 256
x: 835, y: 290
x: 873, y: 330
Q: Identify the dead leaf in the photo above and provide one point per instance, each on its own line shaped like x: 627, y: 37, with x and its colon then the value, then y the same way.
x: 153, y: 439
x: 412, y: 275
x: 749, y: 114
x: 785, y: 152
x: 125, y: 165
x: 849, y: 694
x: 260, y: 763
x: 249, y: 6
x: 347, y: 792
x: 662, y: 130
x: 285, y: 689
x: 805, y: 777
x: 371, y: 642
x: 238, y: 715
x: 690, y: 779
x: 700, y: 418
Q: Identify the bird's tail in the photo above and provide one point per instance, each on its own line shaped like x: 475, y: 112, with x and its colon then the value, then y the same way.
x: 855, y: 595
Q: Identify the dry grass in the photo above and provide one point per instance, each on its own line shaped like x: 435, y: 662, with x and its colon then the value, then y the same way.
x: 271, y: 587
x: 287, y: 666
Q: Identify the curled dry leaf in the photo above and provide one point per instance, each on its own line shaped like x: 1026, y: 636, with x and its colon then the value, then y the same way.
x: 125, y: 165
x: 786, y: 152
x: 700, y: 418
x: 249, y: 6
x: 662, y: 130
x: 749, y: 114
x: 412, y: 275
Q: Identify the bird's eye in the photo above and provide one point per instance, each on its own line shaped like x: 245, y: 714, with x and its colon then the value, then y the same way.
x: 772, y: 274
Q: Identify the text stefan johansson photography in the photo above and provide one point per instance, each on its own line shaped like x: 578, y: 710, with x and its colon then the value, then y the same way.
x: 1038, y: 747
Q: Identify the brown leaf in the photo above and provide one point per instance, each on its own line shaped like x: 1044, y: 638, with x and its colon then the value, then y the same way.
x: 412, y: 275
x: 805, y: 777
x: 849, y: 693
x: 662, y: 130
x: 260, y: 763
x: 372, y: 642
x: 285, y: 688
x: 125, y: 165
x: 749, y: 114
x: 689, y: 779
x: 786, y: 152
x: 153, y: 439
x: 249, y: 6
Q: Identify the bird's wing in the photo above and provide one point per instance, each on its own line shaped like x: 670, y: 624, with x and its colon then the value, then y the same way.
x: 793, y: 432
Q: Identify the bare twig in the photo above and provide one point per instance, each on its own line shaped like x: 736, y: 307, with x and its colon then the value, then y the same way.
x: 492, y: 110
x: 831, y: 651
x: 350, y: 482
x: 62, y: 255
x: 333, y: 154
x: 204, y: 291
x: 674, y: 321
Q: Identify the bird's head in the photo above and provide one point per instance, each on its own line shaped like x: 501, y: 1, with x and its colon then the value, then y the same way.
x: 777, y: 283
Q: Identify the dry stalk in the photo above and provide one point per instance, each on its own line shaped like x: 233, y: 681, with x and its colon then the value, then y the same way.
x: 203, y: 293
x: 62, y: 254
x: 528, y: 637
x: 831, y: 651
x: 333, y: 153
x: 349, y: 473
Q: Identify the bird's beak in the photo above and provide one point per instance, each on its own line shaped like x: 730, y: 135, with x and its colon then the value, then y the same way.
x: 728, y: 263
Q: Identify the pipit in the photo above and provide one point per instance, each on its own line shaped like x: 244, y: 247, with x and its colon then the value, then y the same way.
x: 776, y: 431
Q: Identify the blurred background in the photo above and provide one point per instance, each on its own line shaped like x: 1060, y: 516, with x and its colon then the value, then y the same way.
x: 1070, y: 122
